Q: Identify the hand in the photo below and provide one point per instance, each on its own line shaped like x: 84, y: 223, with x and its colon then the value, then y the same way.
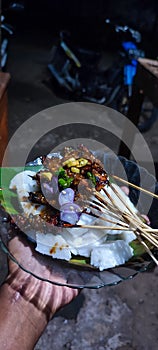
x: 47, y: 297
x: 27, y: 303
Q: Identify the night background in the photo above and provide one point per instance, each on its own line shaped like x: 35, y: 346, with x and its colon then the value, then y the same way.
x: 86, y: 18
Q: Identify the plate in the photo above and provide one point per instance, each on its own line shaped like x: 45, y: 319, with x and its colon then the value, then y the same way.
x: 63, y: 273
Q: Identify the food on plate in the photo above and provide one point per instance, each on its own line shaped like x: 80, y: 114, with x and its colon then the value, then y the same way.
x: 69, y: 207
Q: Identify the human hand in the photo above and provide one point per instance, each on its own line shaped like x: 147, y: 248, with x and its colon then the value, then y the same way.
x: 46, y: 297
x: 27, y: 303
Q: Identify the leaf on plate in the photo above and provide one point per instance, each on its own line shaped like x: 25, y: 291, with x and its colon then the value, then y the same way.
x: 138, y: 248
x: 7, y: 202
x: 78, y: 260
x: 7, y: 196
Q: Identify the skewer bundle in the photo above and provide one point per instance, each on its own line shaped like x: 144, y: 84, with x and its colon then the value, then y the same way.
x: 123, y: 221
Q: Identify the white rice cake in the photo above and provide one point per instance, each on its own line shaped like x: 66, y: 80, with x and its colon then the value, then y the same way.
x: 84, y: 219
x: 111, y: 254
x: 23, y: 184
x: 128, y: 236
x: 54, y: 245
x: 85, y: 250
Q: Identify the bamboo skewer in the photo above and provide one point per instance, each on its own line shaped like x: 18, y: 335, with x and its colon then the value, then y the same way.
x: 135, y: 186
x: 101, y: 227
x: 108, y: 205
x: 122, y: 224
x: 144, y: 233
x: 147, y: 248
x: 131, y: 217
x: 136, y: 217
x: 108, y: 212
x: 138, y: 221
x: 139, y: 225
x: 125, y: 204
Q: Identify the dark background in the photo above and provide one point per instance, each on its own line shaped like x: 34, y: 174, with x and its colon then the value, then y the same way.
x: 86, y: 19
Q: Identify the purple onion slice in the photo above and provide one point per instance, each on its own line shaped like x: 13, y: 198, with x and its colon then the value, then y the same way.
x: 70, y: 213
x: 66, y: 196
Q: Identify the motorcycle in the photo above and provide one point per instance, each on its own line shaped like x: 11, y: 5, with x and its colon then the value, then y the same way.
x: 77, y: 73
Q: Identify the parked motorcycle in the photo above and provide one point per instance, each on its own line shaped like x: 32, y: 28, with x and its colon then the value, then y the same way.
x: 77, y: 72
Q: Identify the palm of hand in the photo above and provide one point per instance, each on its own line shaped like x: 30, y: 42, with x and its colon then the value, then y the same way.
x: 45, y: 296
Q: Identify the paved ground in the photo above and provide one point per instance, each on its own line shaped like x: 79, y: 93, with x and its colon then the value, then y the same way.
x: 124, y: 317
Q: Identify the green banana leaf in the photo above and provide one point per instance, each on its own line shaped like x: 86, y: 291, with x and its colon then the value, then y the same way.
x: 7, y: 196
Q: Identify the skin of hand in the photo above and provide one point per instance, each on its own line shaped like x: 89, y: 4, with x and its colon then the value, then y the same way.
x: 27, y: 303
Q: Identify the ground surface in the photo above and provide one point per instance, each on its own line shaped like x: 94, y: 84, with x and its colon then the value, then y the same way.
x: 123, y: 317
